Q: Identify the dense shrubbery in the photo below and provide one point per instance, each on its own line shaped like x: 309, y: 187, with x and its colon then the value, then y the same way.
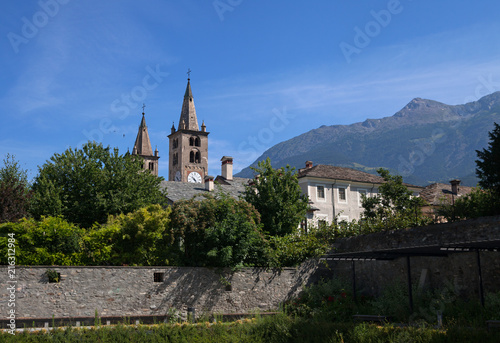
x: 51, y: 240
x: 218, y: 231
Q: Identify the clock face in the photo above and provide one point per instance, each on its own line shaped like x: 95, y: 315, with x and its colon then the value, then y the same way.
x: 194, y: 177
x: 177, y: 176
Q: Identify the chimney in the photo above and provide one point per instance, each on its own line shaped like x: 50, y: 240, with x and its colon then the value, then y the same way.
x: 454, y: 186
x: 227, y: 167
x: 209, y: 183
x: 309, y: 164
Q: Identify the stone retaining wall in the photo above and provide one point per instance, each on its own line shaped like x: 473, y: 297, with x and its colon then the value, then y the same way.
x: 127, y: 291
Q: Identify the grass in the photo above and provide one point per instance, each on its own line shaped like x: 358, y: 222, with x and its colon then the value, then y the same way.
x: 280, y: 328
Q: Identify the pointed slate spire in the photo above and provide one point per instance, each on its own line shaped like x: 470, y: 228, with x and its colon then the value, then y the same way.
x: 142, y: 143
x: 188, y: 112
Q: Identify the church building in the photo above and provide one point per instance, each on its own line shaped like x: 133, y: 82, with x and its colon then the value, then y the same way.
x: 188, y: 158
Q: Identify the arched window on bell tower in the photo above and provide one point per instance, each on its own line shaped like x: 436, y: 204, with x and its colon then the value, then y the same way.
x: 191, y: 157
x: 197, y: 141
x: 197, y: 158
x: 191, y: 141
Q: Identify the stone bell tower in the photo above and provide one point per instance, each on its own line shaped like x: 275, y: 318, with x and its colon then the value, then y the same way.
x: 188, y: 145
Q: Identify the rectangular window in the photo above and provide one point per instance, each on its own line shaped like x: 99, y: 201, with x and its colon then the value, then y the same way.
x: 320, y: 192
x: 342, y: 195
x: 158, y: 277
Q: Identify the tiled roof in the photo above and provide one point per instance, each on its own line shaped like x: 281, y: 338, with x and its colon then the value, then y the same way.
x: 437, y: 193
x: 186, y: 190
x: 341, y: 173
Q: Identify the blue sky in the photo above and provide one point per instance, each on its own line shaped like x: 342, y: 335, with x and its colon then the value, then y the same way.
x: 262, y: 71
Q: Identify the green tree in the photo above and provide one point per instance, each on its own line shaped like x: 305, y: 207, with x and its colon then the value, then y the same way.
x: 86, y: 185
x: 478, y: 203
x: 140, y: 237
x: 218, y: 231
x: 277, y: 196
x: 488, y: 163
x: 394, y: 207
x: 15, y: 191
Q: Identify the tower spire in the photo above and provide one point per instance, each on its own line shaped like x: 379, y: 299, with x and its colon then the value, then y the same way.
x: 142, y: 143
x: 188, y: 111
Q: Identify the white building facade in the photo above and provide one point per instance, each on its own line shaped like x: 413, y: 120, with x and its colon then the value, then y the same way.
x: 336, y: 192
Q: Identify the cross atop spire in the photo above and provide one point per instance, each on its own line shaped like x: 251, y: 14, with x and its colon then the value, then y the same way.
x: 189, y: 73
x: 142, y: 143
x: 188, y: 120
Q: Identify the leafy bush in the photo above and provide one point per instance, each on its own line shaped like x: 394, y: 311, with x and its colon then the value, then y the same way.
x: 52, y: 240
x: 140, y: 237
x: 327, y: 300
x: 217, y: 231
x: 293, y: 249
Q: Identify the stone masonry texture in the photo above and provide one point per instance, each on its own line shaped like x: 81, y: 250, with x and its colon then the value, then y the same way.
x: 127, y: 291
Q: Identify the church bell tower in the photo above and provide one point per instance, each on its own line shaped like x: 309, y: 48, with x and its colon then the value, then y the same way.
x: 188, y: 145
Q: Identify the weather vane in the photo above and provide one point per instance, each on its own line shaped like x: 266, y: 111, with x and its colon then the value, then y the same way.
x: 143, y: 106
x: 189, y: 73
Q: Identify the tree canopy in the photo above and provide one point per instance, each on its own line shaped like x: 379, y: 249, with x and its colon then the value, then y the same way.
x: 86, y: 185
x: 394, y: 207
x: 14, y: 191
x: 488, y: 162
x: 276, y: 194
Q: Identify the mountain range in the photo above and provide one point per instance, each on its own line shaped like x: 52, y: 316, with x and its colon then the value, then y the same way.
x: 425, y: 142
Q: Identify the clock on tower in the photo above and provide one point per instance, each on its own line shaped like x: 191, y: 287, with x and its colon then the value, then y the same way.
x: 194, y: 177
